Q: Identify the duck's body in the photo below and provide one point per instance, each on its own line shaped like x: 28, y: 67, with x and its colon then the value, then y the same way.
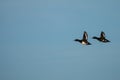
x: 101, y: 38
x: 84, y: 41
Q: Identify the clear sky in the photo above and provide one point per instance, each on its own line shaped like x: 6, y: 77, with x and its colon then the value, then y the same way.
x: 37, y: 40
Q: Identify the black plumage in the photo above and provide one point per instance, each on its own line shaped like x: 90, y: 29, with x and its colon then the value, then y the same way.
x: 84, y: 40
x: 102, y: 38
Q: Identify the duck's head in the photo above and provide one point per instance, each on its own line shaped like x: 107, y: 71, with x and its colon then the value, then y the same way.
x: 76, y: 40
x: 95, y: 37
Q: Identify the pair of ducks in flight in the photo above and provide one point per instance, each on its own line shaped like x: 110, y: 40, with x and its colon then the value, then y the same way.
x: 84, y: 40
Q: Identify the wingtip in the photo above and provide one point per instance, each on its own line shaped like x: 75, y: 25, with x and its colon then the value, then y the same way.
x: 85, y: 32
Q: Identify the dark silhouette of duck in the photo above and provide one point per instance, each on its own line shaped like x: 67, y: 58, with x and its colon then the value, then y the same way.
x: 84, y: 40
x: 101, y: 38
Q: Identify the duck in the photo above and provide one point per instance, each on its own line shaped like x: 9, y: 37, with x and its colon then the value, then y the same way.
x: 84, y: 40
x: 102, y: 38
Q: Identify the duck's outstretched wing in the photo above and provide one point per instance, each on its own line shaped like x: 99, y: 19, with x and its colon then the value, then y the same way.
x: 85, y: 35
x: 102, y: 35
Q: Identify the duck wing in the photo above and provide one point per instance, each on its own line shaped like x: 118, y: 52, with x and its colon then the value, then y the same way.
x: 85, y: 35
x: 102, y: 35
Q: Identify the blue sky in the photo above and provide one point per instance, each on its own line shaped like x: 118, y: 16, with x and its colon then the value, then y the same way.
x: 37, y: 40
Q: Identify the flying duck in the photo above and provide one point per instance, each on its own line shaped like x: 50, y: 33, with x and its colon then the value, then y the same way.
x: 101, y: 38
x: 84, y: 39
